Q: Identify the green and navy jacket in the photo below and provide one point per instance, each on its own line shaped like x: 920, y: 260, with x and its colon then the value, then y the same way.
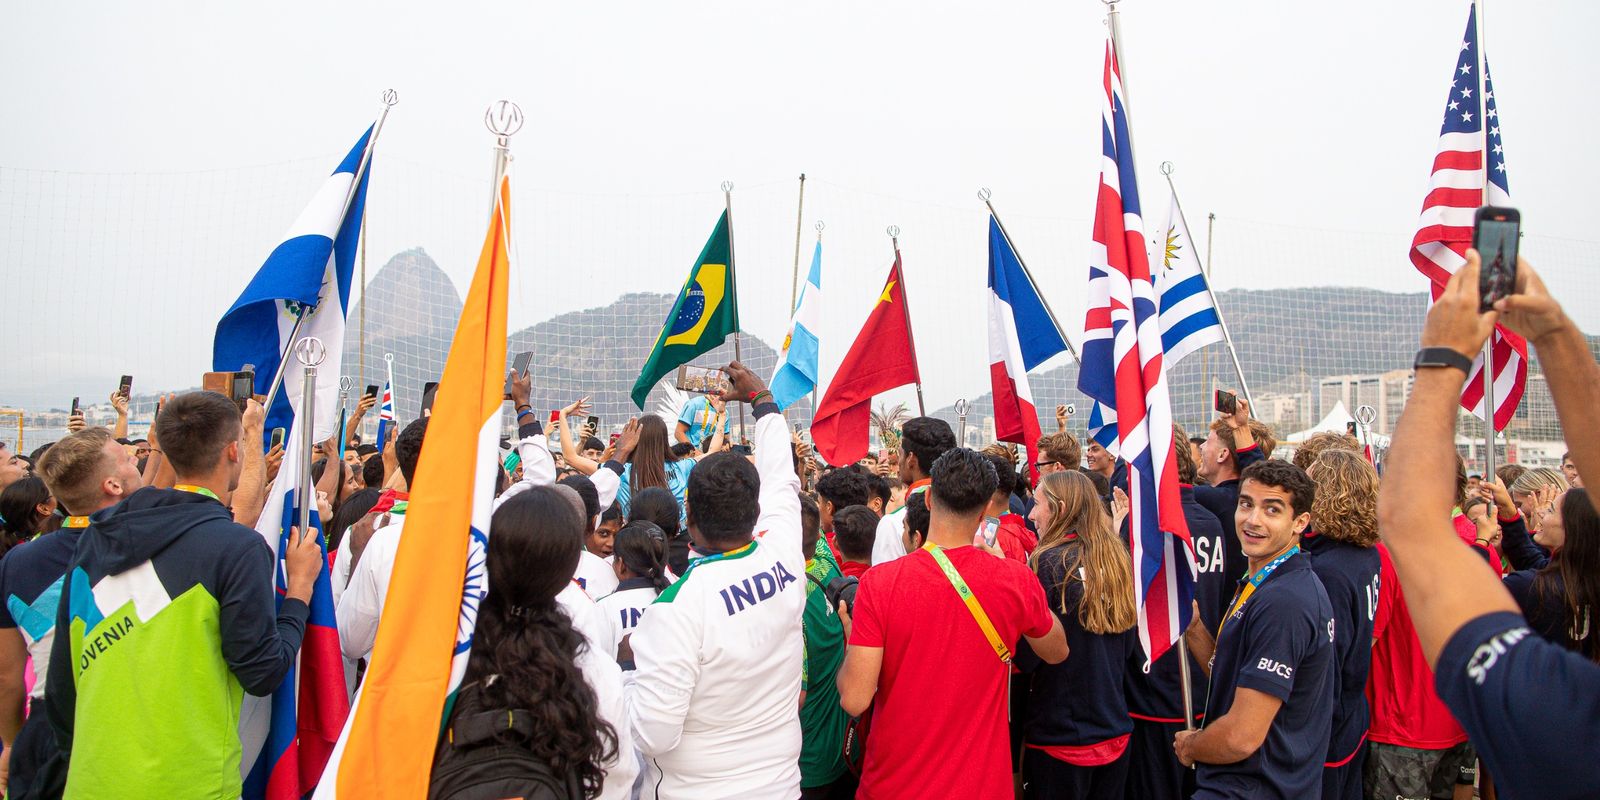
x: 166, y: 618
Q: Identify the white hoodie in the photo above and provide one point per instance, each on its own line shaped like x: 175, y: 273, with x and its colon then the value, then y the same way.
x: 713, y: 699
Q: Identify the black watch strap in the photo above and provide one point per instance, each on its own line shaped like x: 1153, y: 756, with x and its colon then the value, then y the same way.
x: 1442, y: 357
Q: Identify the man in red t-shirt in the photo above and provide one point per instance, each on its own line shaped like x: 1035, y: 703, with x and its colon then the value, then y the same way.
x: 1417, y: 748
x: 921, y: 659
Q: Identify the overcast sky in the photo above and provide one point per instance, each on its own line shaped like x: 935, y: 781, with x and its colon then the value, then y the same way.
x: 153, y: 153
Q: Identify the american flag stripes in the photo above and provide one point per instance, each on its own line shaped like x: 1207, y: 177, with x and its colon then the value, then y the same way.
x: 1122, y: 368
x: 1455, y: 192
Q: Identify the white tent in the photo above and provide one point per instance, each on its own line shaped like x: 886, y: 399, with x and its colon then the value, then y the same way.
x: 1337, y: 421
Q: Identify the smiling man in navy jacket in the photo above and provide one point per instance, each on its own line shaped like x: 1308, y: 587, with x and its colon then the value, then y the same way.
x: 1270, y: 708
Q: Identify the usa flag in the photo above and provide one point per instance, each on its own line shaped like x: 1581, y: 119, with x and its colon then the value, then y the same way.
x: 1454, y: 194
x: 1122, y: 369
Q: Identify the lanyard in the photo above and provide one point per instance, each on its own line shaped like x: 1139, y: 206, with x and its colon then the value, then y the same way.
x: 76, y: 522
x: 1243, y: 593
x: 971, y: 600
x: 191, y: 488
x: 720, y: 556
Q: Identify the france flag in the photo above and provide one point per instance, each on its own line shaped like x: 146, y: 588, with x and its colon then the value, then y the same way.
x: 796, y: 375
x: 305, y: 274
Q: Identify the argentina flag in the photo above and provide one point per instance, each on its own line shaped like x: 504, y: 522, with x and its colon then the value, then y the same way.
x: 796, y: 375
x: 308, y: 273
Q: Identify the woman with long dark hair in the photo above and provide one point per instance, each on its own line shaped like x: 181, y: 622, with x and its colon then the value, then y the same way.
x: 640, y: 561
x: 529, y: 663
x: 1078, y: 726
x: 1560, y: 593
x: 29, y: 510
x: 647, y: 456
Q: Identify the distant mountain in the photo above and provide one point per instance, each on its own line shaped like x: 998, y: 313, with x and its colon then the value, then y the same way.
x: 413, y: 308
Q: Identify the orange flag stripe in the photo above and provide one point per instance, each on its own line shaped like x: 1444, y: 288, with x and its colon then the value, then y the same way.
x: 389, y: 752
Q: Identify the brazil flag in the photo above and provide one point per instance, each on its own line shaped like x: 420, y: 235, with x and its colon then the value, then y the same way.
x: 705, y: 313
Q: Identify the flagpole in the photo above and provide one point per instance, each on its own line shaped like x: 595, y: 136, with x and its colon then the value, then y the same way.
x: 905, y: 297
x: 984, y: 195
x: 1488, y: 346
x: 388, y: 99
x: 309, y: 352
x: 388, y: 363
x: 733, y: 287
x: 1244, y: 386
x: 799, y: 220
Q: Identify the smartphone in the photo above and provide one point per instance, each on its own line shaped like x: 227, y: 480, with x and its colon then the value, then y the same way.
x: 277, y: 437
x: 555, y: 416
x: 991, y: 530
x: 519, y: 367
x: 372, y: 390
x: 74, y: 405
x: 1226, y: 402
x: 702, y: 380
x: 126, y: 387
x: 1495, y: 233
x: 1350, y: 428
x: 429, y: 389
x: 615, y: 437
x: 244, y: 387
x: 593, y: 422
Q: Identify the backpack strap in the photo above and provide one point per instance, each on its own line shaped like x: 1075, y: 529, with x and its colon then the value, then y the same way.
x: 971, y: 601
x: 471, y: 730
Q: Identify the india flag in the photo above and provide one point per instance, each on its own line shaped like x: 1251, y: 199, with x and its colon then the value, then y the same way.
x: 440, y: 574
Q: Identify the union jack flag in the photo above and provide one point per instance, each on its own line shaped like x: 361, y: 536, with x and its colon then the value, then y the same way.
x: 1455, y: 192
x: 1122, y: 369
x: 385, y: 415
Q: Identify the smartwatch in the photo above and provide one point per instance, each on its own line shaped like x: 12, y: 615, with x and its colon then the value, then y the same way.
x: 1442, y: 357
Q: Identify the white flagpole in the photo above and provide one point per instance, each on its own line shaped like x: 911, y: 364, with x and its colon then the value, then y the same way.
x: 1488, y: 346
x: 1227, y: 338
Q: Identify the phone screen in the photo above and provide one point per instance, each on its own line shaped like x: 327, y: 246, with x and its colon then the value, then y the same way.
x: 244, y: 387
x: 277, y: 436
x: 1226, y: 402
x: 126, y: 387
x: 991, y: 530
x: 1495, y: 239
x: 702, y: 380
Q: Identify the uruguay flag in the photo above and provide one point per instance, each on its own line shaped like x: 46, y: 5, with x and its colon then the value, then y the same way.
x: 796, y: 375
x: 1189, y: 316
x: 1022, y: 335
x: 309, y: 270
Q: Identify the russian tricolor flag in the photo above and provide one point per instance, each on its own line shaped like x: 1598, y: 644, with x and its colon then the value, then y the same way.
x: 1022, y: 335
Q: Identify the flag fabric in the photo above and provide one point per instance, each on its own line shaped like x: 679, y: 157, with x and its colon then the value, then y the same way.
x: 386, y: 418
x: 704, y: 315
x: 881, y: 358
x: 1190, y: 319
x: 796, y: 375
x: 440, y: 577
x: 1455, y: 192
x: 1022, y: 335
x: 1103, y: 427
x: 286, y: 738
x: 308, y: 273
x: 1123, y: 369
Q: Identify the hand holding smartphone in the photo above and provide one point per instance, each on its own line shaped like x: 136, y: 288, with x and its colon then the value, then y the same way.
x: 519, y: 367
x: 1495, y: 234
x: 125, y: 388
x: 1226, y: 403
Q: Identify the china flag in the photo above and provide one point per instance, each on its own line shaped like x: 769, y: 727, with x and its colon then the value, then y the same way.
x: 881, y: 358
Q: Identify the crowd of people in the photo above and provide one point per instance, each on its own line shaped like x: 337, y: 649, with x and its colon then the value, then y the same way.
x: 676, y: 614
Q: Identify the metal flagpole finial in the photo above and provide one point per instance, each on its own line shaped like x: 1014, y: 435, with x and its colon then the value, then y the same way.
x: 820, y: 226
x: 893, y: 231
x: 1366, y: 415
x: 310, y: 351
x: 962, y: 407
x: 346, y: 383
x: 984, y: 194
x: 1167, y: 168
x: 727, y: 186
x: 389, y: 98
x: 389, y: 358
x: 503, y: 118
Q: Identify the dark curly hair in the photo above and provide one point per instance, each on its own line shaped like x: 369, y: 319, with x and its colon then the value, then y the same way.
x: 1286, y: 476
x: 527, y: 640
x: 963, y: 481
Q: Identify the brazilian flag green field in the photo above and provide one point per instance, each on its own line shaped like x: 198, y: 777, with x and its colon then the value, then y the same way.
x: 704, y: 315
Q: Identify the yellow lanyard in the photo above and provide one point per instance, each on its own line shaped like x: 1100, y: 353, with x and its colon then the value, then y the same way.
x: 76, y: 522
x: 1243, y: 593
x: 191, y: 488
x: 971, y: 600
